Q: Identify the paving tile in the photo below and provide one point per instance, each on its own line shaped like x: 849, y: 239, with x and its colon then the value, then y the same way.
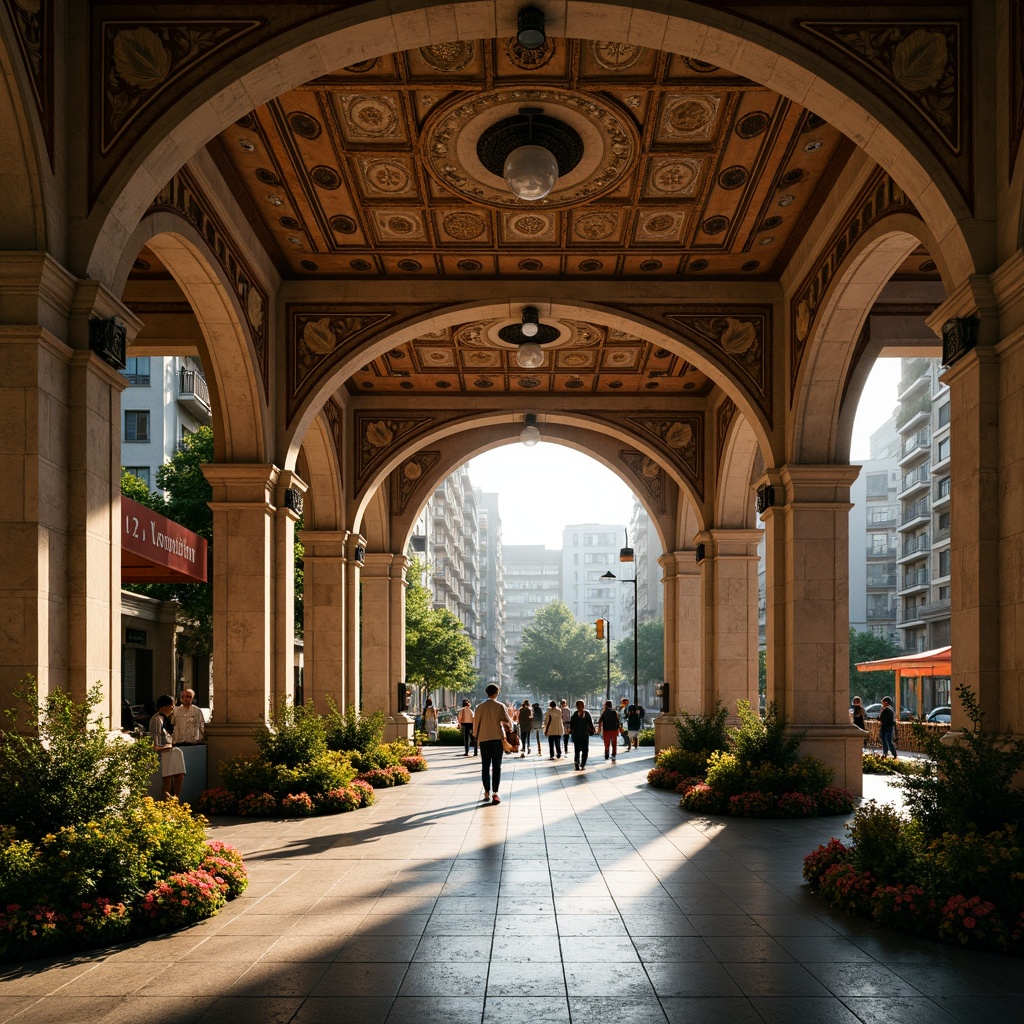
x: 304, y: 949
x: 809, y: 1010
x: 431, y: 1010
x: 775, y: 979
x: 351, y: 979
x: 703, y: 980
x: 591, y: 924
x: 704, y: 1010
x: 628, y: 1010
x: 276, y: 979
x: 617, y: 949
x: 250, y: 1010
x: 673, y: 949
x: 601, y: 980
x: 351, y: 1010
x: 442, y: 949
x: 449, y: 980
x: 525, y: 1010
x: 379, y: 949
x: 159, y: 1009
x: 747, y: 949
x: 51, y: 1009
x: 901, y: 1010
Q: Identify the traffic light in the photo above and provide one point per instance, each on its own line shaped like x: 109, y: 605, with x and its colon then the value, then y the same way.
x: 600, y: 629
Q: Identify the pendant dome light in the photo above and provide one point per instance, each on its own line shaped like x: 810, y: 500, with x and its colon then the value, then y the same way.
x: 528, y: 336
x: 530, y: 434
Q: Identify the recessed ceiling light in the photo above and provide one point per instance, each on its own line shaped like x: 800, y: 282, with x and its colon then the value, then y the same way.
x: 275, y: 200
x: 248, y: 146
x: 786, y: 200
x: 767, y: 240
x: 294, y: 241
x: 812, y: 146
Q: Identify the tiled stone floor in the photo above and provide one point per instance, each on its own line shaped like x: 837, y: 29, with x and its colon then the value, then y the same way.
x: 583, y: 896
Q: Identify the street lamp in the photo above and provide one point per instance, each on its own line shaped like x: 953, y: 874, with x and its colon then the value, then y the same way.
x: 626, y: 555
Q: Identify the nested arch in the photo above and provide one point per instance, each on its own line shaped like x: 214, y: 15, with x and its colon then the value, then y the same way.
x: 734, y: 505
x: 451, y: 445
x: 342, y: 38
x: 241, y: 423
x: 833, y: 372
x: 719, y: 370
x: 319, y: 467
x: 23, y: 226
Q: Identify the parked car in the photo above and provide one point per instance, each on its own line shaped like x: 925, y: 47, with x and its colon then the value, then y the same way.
x: 943, y: 713
x: 872, y: 711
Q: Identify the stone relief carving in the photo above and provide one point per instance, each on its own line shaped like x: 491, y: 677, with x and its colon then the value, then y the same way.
x: 648, y: 474
x: 448, y: 56
x: 32, y: 21
x: 529, y: 60
x: 689, y: 118
x: 411, y: 472
x: 183, y: 197
x: 682, y: 439
x: 370, y: 117
x: 616, y: 56
x: 318, y: 338
x: 376, y: 435
x: 723, y: 418
x: 880, y: 197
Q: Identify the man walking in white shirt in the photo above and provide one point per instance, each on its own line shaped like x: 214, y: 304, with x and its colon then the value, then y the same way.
x: 189, y: 724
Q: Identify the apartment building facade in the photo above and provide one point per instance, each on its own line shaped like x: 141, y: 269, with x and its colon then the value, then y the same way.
x: 589, y: 551
x: 492, y: 591
x: 533, y: 579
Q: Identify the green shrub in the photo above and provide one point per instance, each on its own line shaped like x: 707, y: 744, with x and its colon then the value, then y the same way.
x: 725, y: 775
x: 685, y: 762
x: 71, y: 772
x: 989, y: 866
x: 645, y: 738
x: 758, y: 740
x: 294, y: 735
x: 351, y: 730
x: 886, y: 843
x: 703, y: 733
x: 329, y: 770
x: 966, y: 786
x: 244, y: 775
x: 449, y: 736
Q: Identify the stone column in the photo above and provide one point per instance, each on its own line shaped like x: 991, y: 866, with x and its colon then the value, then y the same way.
x: 684, y: 654
x: 806, y: 545
x: 60, y: 441
x: 243, y: 613
x: 383, y: 632
x: 355, y: 549
x: 325, y: 602
x: 730, y: 606
x: 288, y: 494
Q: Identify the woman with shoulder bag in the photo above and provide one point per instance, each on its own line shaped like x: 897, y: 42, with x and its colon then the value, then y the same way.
x: 610, y: 726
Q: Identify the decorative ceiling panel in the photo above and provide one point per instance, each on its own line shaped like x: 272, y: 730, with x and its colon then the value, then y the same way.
x: 584, y: 357
x: 686, y: 170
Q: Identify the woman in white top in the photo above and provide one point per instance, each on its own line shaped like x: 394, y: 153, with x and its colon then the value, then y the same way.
x: 430, y: 720
x: 466, y: 721
x: 553, y: 731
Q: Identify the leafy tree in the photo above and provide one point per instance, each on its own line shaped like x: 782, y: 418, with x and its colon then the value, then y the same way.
x: 650, y: 649
x: 300, y: 579
x: 437, y: 650
x: 865, y: 646
x: 135, y: 488
x: 560, y: 657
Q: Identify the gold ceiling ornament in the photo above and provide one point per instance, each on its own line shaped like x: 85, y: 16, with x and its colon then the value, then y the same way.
x: 449, y: 145
x: 616, y: 56
x: 448, y: 57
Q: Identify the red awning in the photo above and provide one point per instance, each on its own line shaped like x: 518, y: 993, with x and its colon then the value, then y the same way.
x: 155, y: 549
x: 926, y: 663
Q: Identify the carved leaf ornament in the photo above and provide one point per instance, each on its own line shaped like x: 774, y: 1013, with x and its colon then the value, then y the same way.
x: 919, y: 61
x: 318, y: 336
x: 140, y: 58
x: 379, y: 434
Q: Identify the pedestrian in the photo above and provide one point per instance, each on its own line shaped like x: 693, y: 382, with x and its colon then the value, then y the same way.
x: 538, y: 726
x: 622, y: 709
x: 857, y: 714
x: 887, y: 726
x: 189, y: 724
x: 553, y: 730
x: 525, y: 728
x: 610, y: 726
x: 491, y: 723
x: 172, y: 761
x: 582, y: 727
x: 466, y: 721
x: 430, y: 720
x: 566, y: 714
x: 634, y: 723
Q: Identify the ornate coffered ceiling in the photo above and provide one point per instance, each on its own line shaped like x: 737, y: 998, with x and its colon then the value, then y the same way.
x: 687, y: 170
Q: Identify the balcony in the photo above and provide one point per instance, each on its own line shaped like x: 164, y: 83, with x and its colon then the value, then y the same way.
x: 916, y: 374
x: 942, y: 490
x: 194, y: 395
x: 916, y: 480
x: 881, y: 614
x: 914, y: 580
x: 917, y: 513
x: 882, y: 581
x: 915, y: 446
x: 934, y: 610
x: 911, y: 413
x: 916, y: 547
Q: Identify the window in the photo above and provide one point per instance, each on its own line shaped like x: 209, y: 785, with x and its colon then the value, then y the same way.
x: 943, y: 414
x: 883, y: 514
x: 943, y: 520
x: 944, y: 562
x: 943, y: 488
x: 879, y: 543
x: 142, y: 472
x: 136, y: 369
x: 943, y: 593
x: 943, y: 449
x: 136, y: 425
x: 877, y: 485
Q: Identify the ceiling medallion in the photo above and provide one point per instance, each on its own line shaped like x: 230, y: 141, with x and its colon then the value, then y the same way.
x: 699, y: 265
x: 527, y: 59
x: 700, y: 66
x: 608, y: 145
x: 469, y: 266
x: 616, y: 56
x: 596, y: 226
x: 464, y: 226
x: 343, y: 225
x: 448, y: 56
x: 326, y: 177
x: 530, y: 126
x: 648, y: 266
x: 362, y: 66
x: 531, y: 265
x: 305, y: 125
x: 752, y: 125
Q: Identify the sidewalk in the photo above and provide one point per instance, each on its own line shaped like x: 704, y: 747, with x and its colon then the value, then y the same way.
x: 583, y: 896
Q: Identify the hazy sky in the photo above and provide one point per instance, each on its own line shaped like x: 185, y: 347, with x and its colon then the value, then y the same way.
x: 544, y: 488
